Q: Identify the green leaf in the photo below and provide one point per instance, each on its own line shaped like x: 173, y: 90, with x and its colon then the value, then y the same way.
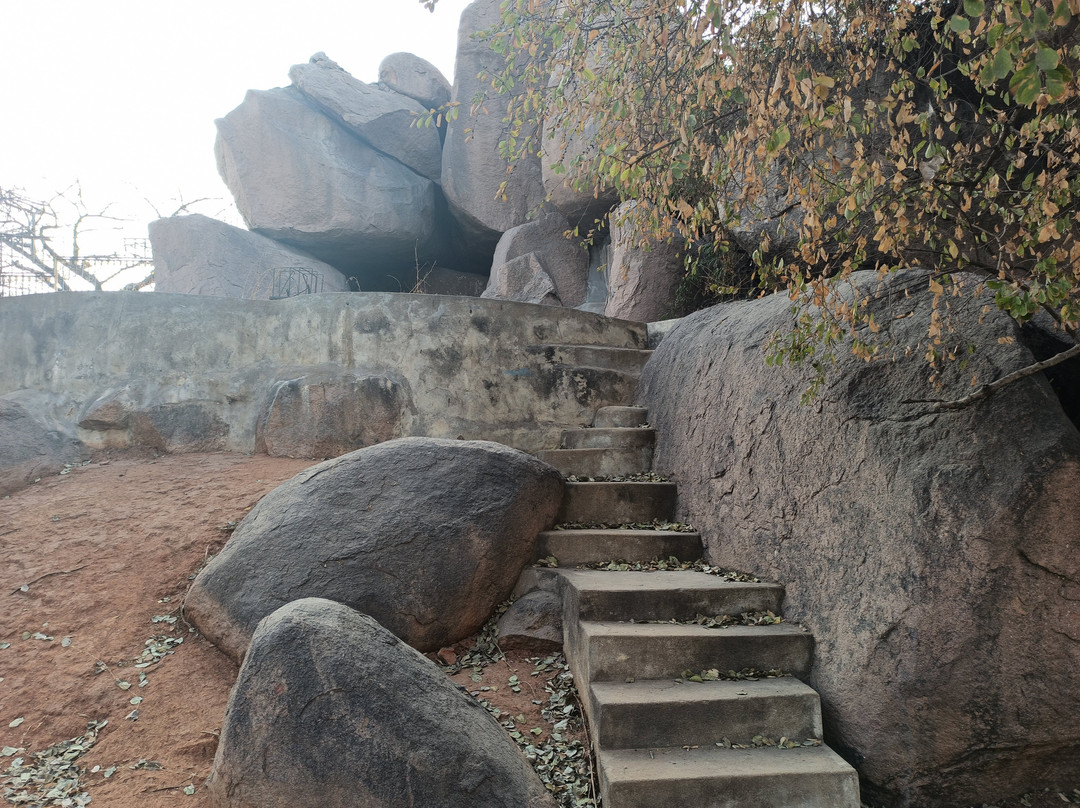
x: 1025, y: 84
x: 974, y: 8
x: 1046, y: 58
x: 999, y: 68
x: 994, y: 34
x: 1058, y: 81
x: 778, y: 139
x: 960, y: 24
x: 1042, y: 19
x: 1062, y: 12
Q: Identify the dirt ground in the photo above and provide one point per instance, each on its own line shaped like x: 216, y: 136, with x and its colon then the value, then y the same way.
x: 94, y: 564
x: 88, y: 560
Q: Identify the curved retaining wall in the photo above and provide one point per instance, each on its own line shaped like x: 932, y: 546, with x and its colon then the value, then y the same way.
x: 310, y: 376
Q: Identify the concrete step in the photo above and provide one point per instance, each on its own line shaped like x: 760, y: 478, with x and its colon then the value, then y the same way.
x: 711, y: 777
x: 664, y: 712
x: 624, y: 360
x: 611, y: 417
x: 618, y: 503
x: 619, y: 438
x: 607, y: 651
x: 662, y: 595
x: 599, y: 462
x: 573, y: 547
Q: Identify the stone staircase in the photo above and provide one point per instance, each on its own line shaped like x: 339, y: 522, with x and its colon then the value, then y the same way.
x: 660, y: 739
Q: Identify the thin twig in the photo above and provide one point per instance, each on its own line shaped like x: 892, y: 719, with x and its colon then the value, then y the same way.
x: 988, y: 390
x: 47, y: 575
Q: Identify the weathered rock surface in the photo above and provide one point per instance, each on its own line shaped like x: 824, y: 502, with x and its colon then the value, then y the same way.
x: 564, y: 260
x: 532, y: 623
x: 472, y: 170
x: 197, y: 255
x: 325, y: 413
x: 417, y: 78
x: 935, y: 557
x: 381, y: 118
x: 425, y: 535
x: 642, y: 280
x: 524, y: 279
x: 301, y: 178
x: 331, y: 710
x: 29, y: 450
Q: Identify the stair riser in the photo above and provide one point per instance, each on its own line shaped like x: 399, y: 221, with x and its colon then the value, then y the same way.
x: 704, y: 722
x: 616, y: 658
x: 620, y: 417
x: 679, y: 604
x: 599, y: 462
x: 642, y: 439
x: 617, y: 503
x: 573, y: 547
x: 623, y: 360
x: 821, y: 790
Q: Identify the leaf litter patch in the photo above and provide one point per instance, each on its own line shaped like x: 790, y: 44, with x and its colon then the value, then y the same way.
x: 51, y: 777
x: 553, y: 746
x: 656, y: 524
x: 669, y: 564
x: 765, y: 618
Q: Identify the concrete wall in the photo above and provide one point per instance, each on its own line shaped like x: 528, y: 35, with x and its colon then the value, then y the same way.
x: 186, y: 373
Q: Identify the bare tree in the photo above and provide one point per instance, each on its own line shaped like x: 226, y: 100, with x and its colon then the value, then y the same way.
x: 40, y: 247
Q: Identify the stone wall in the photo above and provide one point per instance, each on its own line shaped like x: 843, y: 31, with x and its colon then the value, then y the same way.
x: 315, y: 375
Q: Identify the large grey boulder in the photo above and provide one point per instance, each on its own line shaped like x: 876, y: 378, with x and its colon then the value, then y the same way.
x: 564, y: 260
x: 417, y: 78
x: 381, y: 118
x: 323, y: 412
x: 524, y: 279
x: 642, y: 277
x: 330, y: 710
x: 197, y: 255
x: 299, y: 177
x: 425, y: 535
x: 29, y: 449
x: 934, y: 556
x: 473, y: 172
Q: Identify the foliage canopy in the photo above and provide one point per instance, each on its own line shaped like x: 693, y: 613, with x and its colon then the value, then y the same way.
x: 862, y: 134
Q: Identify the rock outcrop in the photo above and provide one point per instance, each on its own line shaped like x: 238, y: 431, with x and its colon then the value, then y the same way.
x: 331, y: 710
x: 29, y: 450
x: 642, y: 280
x: 300, y: 178
x: 473, y: 172
x: 325, y: 413
x: 934, y: 556
x: 381, y: 118
x: 524, y: 279
x: 416, y: 78
x: 425, y: 535
x: 197, y: 255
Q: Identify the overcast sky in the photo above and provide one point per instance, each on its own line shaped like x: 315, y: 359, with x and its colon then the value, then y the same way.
x: 122, y: 94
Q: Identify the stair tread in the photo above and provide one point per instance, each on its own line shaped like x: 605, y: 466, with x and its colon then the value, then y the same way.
x: 616, y: 629
x: 713, y: 762
x: 672, y: 580
x: 629, y: 532
x: 672, y: 691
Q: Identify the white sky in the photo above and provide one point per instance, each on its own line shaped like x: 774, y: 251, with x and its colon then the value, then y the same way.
x: 122, y: 94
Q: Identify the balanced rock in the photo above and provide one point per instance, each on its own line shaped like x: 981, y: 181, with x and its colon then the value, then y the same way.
x: 381, y: 118
x: 473, y: 171
x: 330, y: 710
x: 564, y: 260
x: 935, y: 556
x: 299, y: 177
x: 197, y: 255
x: 417, y: 78
x: 642, y: 278
x: 29, y: 449
x: 425, y: 535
